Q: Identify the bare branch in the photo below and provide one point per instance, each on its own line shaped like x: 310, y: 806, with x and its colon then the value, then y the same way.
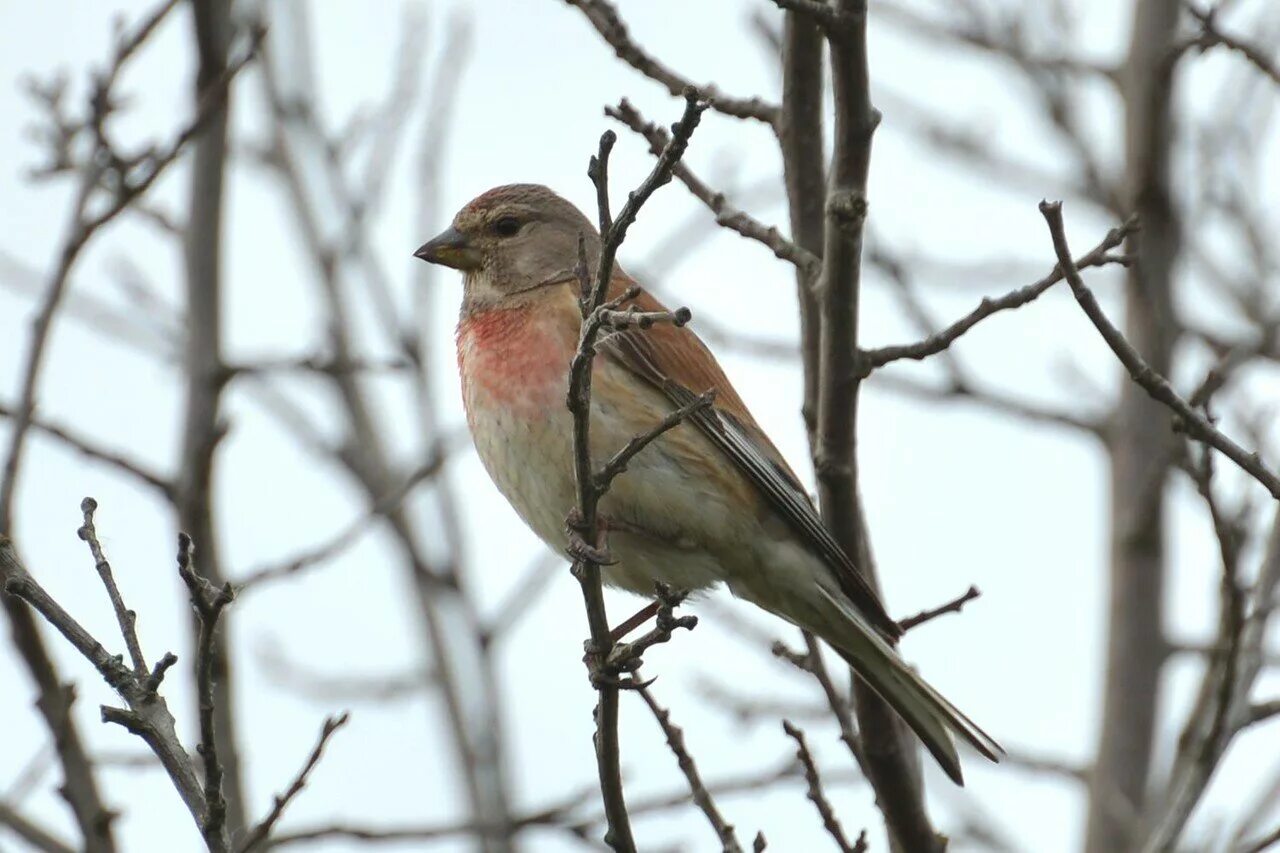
x: 208, y: 603
x: 38, y: 837
x: 701, y: 796
x: 726, y: 214
x: 819, y: 797
x: 126, y: 618
x: 1100, y: 255
x: 1195, y: 424
x: 953, y: 606
x: 1211, y: 36
x: 129, y: 467
x: 609, y: 24
x: 259, y: 833
x: 583, y: 521
x: 147, y: 714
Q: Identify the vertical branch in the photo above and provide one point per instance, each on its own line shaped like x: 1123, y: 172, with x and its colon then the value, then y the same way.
x: 201, y: 425
x: 591, y: 484
x: 801, y: 140
x: 327, y: 211
x: 891, y: 760
x: 1141, y: 444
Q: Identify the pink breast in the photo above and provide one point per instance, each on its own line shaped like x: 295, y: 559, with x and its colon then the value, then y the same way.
x: 513, y: 359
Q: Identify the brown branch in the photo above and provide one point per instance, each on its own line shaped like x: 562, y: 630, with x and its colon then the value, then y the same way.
x: 609, y: 24
x: 1189, y: 420
x: 147, y: 715
x: 260, y: 833
x: 125, y: 617
x: 888, y: 749
x: 202, y: 425
x: 819, y: 798
x: 583, y: 519
x: 208, y: 602
x: 1100, y: 255
x: 701, y: 796
x: 726, y: 214
x: 804, y: 157
x: 953, y: 606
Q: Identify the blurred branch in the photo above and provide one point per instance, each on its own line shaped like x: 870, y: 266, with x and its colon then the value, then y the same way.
x: 801, y: 142
x: 1005, y: 40
x: 30, y: 832
x: 383, y: 506
x: 328, y: 214
x: 131, y: 468
x: 202, y: 426
x: 609, y: 24
x: 1223, y: 709
x: 1211, y: 36
x: 997, y: 401
x: 108, y: 182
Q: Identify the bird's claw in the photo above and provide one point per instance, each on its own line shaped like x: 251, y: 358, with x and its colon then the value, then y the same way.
x: 578, y: 548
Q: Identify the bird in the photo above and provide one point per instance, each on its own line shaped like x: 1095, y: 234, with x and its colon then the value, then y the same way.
x: 709, y: 502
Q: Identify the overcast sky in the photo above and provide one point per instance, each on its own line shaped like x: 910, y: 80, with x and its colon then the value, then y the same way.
x: 955, y: 496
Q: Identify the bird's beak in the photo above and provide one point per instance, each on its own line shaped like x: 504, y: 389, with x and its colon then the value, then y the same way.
x: 451, y: 249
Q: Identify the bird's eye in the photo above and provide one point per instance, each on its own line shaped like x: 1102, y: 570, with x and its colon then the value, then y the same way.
x: 507, y: 226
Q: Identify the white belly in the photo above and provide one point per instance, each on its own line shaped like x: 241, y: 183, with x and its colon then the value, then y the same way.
x: 530, y: 461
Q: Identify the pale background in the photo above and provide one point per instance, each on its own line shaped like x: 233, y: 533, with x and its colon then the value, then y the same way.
x: 955, y: 495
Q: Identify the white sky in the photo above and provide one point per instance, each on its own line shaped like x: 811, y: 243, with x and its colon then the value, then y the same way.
x: 955, y: 495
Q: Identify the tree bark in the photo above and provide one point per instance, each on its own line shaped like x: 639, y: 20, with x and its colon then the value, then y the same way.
x: 202, y: 427
x: 891, y: 759
x: 1140, y: 444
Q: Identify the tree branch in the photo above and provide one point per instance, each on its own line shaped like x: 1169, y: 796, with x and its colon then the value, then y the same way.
x: 609, y: 24
x: 1196, y: 425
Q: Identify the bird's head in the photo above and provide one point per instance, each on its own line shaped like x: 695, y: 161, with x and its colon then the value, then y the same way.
x: 513, y: 239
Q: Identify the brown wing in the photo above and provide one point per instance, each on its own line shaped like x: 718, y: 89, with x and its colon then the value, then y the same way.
x: 675, y: 360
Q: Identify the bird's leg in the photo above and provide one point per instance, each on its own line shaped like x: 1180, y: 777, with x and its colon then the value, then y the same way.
x: 626, y: 657
x: 635, y: 620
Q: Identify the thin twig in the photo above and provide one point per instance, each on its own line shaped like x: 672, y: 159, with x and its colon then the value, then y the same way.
x: 260, y: 832
x: 124, y: 616
x: 1100, y: 255
x: 701, y: 796
x: 609, y: 24
x: 726, y: 214
x: 208, y: 602
x: 953, y: 606
x: 1191, y: 421
x: 1210, y: 36
x: 583, y: 519
x: 819, y: 797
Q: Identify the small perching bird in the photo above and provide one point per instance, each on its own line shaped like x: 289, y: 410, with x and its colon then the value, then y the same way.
x: 711, y: 501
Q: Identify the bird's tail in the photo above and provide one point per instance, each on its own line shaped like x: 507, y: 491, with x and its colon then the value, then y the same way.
x: 922, y: 707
